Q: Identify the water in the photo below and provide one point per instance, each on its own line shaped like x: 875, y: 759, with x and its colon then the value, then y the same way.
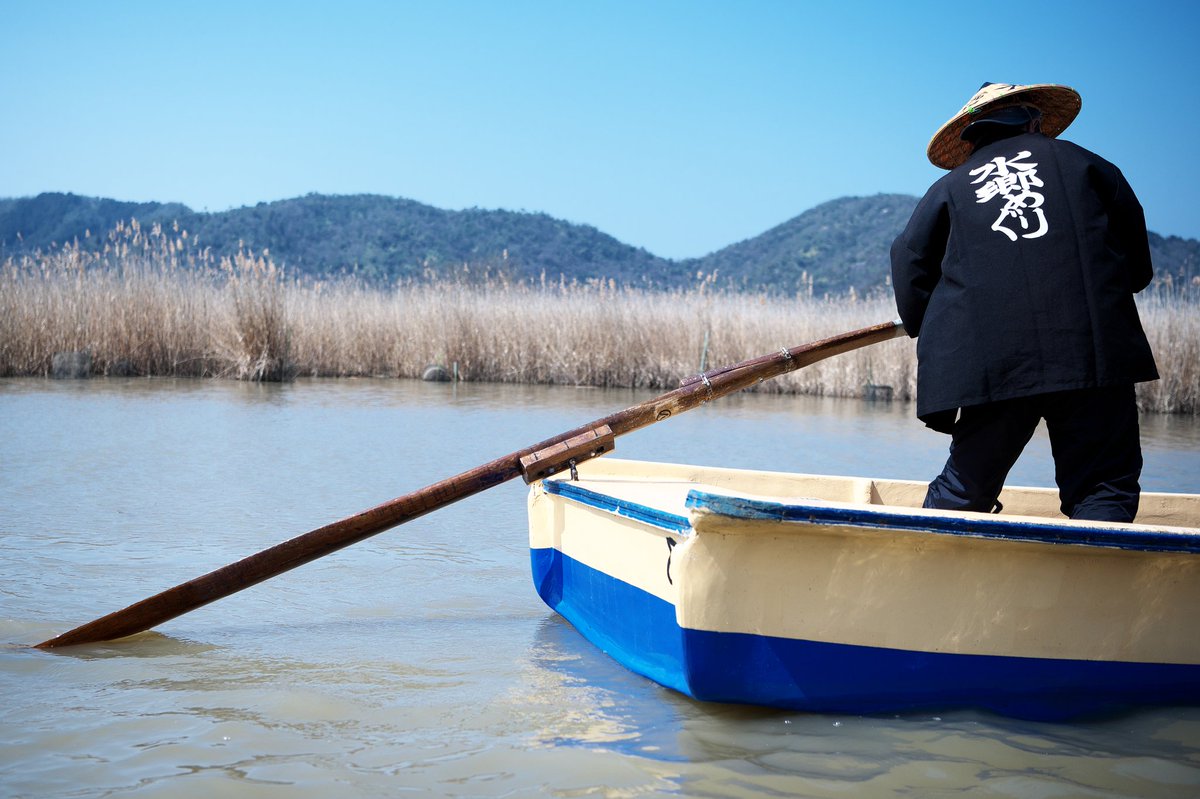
x: 421, y: 662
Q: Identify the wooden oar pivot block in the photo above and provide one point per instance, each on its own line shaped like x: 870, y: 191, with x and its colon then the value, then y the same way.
x: 566, y: 454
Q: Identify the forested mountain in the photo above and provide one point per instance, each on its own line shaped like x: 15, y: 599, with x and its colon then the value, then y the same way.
x: 829, y: 249
x: 833, y: 247
x: 37, y: 223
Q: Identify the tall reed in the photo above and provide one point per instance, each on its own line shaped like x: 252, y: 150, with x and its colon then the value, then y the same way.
x: 146, y: 302
x: 1171, y: 318
x: 156, y: 303
x: 256, y: 344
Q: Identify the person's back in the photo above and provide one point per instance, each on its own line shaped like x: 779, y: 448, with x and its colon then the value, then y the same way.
x: 1045, y: 244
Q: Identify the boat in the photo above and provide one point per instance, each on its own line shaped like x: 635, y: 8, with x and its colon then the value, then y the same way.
x: 842, y: 595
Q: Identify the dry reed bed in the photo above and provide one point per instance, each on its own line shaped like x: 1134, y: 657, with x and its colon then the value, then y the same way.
x: 595, y: 335
x: 152, y: 303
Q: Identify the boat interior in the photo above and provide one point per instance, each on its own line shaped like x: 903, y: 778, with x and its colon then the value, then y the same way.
x: 665, y: 486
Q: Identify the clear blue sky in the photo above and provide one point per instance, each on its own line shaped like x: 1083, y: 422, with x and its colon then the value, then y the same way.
x: 680, y: 127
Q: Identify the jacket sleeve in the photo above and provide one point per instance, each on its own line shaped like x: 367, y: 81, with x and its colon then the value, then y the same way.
x: 917, y: 259
x: 1126, y: 222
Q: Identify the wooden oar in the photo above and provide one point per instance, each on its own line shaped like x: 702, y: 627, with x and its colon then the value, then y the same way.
x: 533, y: 462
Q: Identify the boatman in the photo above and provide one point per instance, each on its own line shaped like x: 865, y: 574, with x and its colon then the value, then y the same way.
x: 1016, y: 275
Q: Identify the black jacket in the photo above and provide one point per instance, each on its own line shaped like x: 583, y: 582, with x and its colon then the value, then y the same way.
x: 1017, y: 273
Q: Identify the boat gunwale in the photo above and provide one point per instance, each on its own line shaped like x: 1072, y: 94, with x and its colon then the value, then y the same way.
x: 1068, y: 532
x: 672, y: 522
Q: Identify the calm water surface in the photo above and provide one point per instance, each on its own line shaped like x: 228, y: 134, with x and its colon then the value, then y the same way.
x: 421, y: 661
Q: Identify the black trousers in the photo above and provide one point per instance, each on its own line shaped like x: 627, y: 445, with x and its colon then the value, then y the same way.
x: 1094, y: 439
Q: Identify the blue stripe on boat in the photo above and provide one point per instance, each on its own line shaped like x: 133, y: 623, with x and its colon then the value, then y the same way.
x: 978, y: 526
x: 632, y: 510
x: 639, y: 630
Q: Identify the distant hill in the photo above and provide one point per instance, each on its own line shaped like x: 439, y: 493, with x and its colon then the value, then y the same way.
x: 37, y: 223
x: 374, y: 237
x: 832, y: 248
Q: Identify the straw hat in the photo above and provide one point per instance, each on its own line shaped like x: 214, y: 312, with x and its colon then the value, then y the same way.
x: 1059, y: 106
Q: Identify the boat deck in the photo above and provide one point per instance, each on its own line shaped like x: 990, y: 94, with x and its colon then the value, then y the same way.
x: 666, y: 487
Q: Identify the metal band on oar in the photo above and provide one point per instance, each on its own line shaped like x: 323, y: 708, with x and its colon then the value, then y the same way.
x: 533, y: 463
